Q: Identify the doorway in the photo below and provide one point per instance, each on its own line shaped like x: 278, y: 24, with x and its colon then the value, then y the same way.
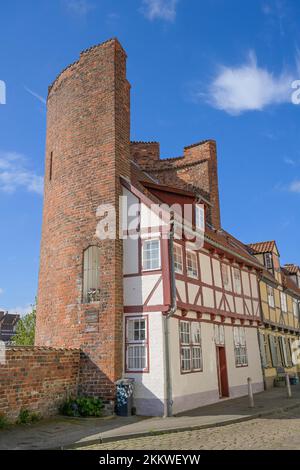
x: 222, y: 372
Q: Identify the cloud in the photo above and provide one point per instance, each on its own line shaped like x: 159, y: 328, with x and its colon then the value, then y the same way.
x: 21, y: 310
x: 1, y: 291
x: 248, y: 87
x: 290, y: 161
x: 160, y: 9
x: 14, y: 174
x: 78, y: 8
x: 33, y: 93
x: 295, y: 186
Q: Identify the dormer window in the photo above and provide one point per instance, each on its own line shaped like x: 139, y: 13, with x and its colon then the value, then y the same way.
x: 200, y: 217
x: 269, y: 261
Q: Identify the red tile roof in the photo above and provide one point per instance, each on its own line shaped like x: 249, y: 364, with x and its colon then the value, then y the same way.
x: 263, y: 247
x: 292, y: 268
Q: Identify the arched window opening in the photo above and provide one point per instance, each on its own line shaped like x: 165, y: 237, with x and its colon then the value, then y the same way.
x: 91, y: 274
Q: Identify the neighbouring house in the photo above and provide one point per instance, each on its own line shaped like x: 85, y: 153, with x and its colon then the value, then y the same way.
x: 8, y: 325
x: 280, y: 301
x: 172, y: 302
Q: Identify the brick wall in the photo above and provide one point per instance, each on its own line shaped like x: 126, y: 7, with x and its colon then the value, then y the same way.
x: 37, y: 379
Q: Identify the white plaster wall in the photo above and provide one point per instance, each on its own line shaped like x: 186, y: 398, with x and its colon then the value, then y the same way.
x: 205, y: 268
x: 138, y: 288
x: 130, y: 256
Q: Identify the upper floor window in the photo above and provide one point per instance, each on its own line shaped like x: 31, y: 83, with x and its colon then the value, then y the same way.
x: 240, y: 347
x: 237, y: 280
x: 91, y: 274
x: 190, y: 346
x: 200, y: 217
x: 136, y: 344
x: 269, y: 261
x: 178, y: 263
x: 283, y: 301
x: 271, y: 298
x: 225, y: 275
x: 296, y: 308
x: 191, y: 264
x: 151, y: 255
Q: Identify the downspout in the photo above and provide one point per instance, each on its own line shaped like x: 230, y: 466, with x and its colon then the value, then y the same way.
x: 168, y: 402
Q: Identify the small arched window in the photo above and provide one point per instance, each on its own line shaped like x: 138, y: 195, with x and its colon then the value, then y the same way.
x: 91, y: 274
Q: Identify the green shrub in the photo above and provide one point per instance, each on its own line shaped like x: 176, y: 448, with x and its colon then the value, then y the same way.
x: 82, y: 406
x: 3, y: 422
x: 28, y: 417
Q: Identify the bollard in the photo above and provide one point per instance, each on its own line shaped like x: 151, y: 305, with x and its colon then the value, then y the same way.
x: 288, y: 386
x: 250, y: 393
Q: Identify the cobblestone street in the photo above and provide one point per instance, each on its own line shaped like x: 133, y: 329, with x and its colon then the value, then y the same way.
x: 280, y: 431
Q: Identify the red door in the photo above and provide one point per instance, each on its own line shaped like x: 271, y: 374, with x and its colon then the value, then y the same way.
x: 222, y: 372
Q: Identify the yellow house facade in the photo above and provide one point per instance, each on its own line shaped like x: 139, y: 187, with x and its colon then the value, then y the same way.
x: 280, y: 300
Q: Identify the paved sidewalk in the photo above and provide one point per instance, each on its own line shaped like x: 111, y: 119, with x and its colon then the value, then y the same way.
x: 61, y: 432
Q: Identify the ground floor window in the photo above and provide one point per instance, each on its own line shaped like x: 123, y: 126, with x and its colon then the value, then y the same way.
x: 240, y: 347
x: 136, y: 344
x: 190, y: 346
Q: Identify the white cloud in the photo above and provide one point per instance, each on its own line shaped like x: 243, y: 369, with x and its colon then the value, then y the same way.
x: 160, y: 9
x: 295, y: 186
x: 248, y: 87
x: 36, y: 95
x: 290, y: 161
x: 14, y: 174
x: 78, y: 7
x: 1, y: 292
x: 21, y: 310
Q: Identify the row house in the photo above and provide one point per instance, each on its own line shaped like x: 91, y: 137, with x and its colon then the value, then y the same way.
x: 280, y: 302
x: 8, y: 325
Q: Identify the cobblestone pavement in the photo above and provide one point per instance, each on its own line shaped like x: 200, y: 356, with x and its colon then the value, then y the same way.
x: 280, y: 431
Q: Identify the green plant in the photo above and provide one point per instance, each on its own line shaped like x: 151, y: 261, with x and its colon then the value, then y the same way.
x: 82, y: 406
x: 28, y: 417
x: 25, y: 330
x: 3, y: 422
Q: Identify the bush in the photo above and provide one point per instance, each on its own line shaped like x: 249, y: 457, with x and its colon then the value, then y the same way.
x: 82, y: 406
x: 3, y: 422
x: 27, y: 417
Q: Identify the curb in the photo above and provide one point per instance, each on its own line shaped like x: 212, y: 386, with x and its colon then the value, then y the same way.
x: 197, y: 427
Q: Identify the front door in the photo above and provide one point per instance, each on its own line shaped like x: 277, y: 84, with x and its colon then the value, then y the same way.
x: 222, y: 372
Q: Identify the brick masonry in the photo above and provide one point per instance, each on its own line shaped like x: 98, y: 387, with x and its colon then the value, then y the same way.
x: 37, y: 379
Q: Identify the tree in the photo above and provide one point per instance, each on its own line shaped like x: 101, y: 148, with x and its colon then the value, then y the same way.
x: 25, y: 330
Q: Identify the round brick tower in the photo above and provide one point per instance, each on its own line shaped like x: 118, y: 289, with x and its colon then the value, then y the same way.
x: 87, y: 150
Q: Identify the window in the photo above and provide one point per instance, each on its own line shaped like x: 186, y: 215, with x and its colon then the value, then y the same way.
x: 151, y: 255
x: 296, y: 308
x: 190, y: 346
x: 240, y: 348
x: 136, y: 344
x: 273, y: 349
x: 91, y: 274
x: 200, y: 217
x: 51, y: 166
x: 271, y: 298
x: 191, y: 264
x: 283, y: 302
x: 225, y: 275
x: 178, y: 264
x: 237, y: 281
x: 265, y: 350
x: 269, y: 261
x: 219, y: 335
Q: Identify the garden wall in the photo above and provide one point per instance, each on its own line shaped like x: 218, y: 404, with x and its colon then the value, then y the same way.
x: 38, y: 379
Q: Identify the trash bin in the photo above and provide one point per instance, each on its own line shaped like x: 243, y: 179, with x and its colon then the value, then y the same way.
x: 124, y: 401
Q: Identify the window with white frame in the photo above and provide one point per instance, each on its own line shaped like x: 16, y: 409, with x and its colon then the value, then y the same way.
x: 240, y: 347
x: 178, y: 263
x: 136, y: 344
x: 190, y: 346
x: 200, y: 217
x: 271, y: 298
x: 151, y: 254
x: 283, y: 301
x: 219, y: 335
x: 91, y: 274
x: 269, y: 261
x: 237, y: 280
x: 225, y: 275
x: 296, y: 308
x: 191, y: 264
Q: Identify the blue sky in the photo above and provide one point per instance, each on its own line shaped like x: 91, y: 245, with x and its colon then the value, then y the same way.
x: 199, y: 69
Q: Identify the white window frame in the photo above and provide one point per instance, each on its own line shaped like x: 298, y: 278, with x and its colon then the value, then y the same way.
x: 283, y: 302
x: 237, y: 281
x: 240, y: 346
x: 219, y: 334
x: 296, y: 308
x: 133, y: 344
x: 200, y: 217
x: 145, y: 242
x: 269, y: 261
x: 178, y: 260
x: 193, y: 273
x: 191, y: 359
x: 271, y: 296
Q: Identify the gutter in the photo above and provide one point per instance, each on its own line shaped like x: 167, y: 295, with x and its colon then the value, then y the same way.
x: 168, y: 402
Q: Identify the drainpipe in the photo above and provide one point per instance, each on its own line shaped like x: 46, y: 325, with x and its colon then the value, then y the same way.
x: 168, y: 379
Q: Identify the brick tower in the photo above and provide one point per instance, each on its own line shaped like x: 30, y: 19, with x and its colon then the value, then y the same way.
x: 87, y: 149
